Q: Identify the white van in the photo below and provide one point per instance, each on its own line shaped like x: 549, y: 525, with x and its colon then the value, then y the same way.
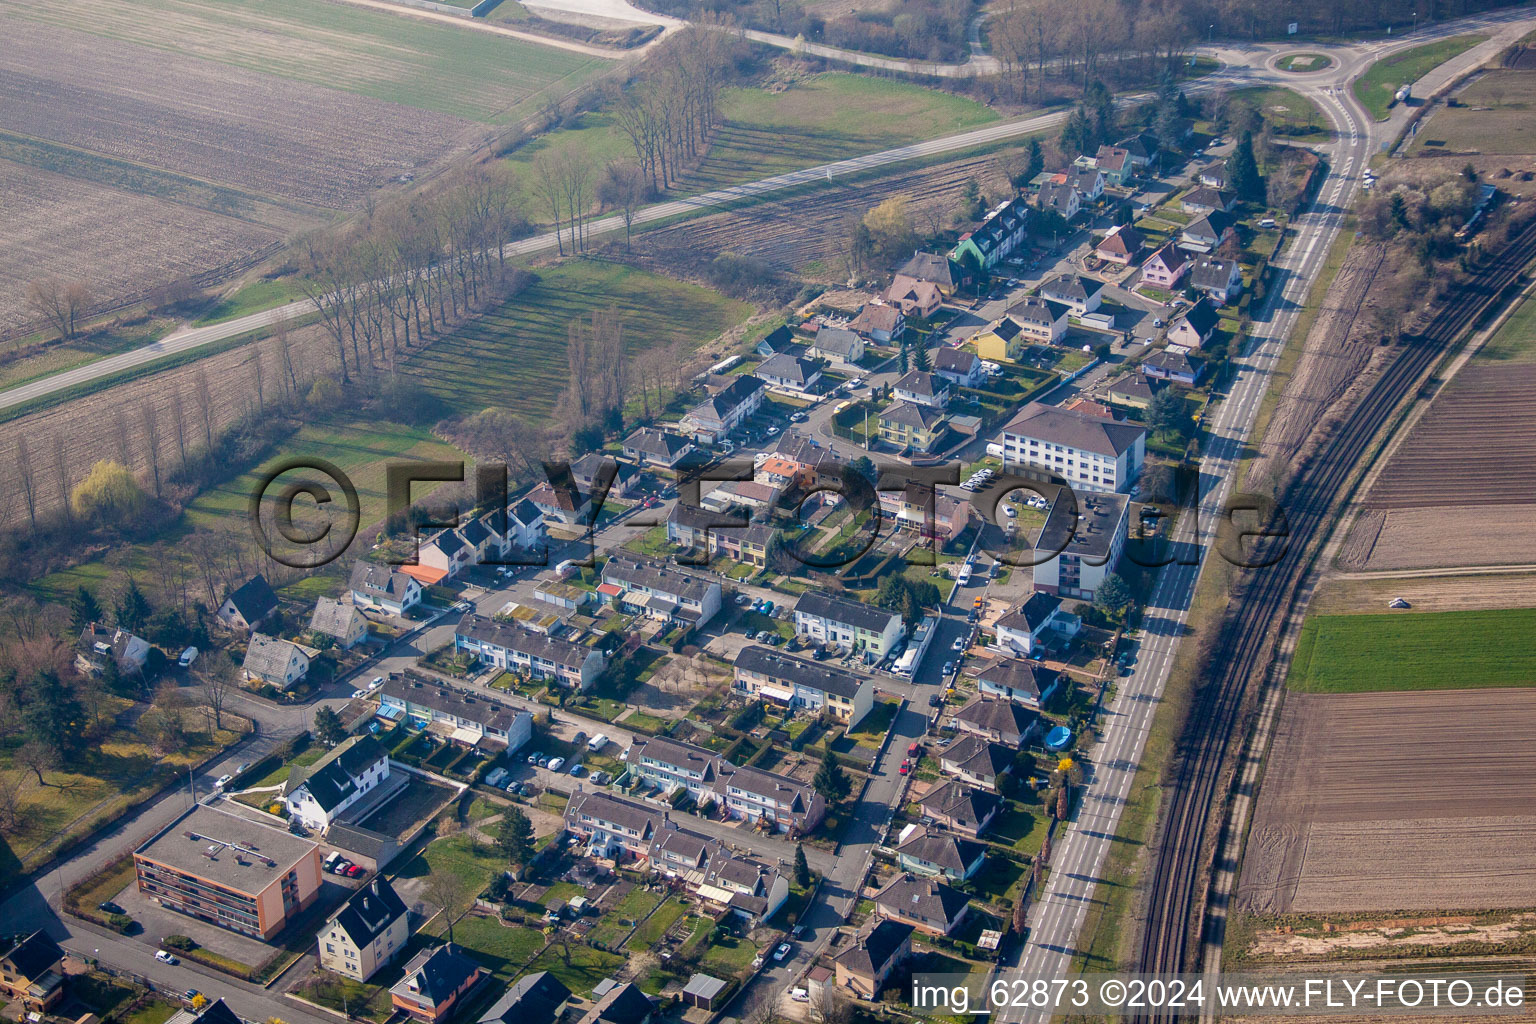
x: 188, y: 656
x: 965, y: 575
x: 597, y: 743
x: 566, y: 569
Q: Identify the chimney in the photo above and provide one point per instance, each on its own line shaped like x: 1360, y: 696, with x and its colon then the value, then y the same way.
x: 375, y: 887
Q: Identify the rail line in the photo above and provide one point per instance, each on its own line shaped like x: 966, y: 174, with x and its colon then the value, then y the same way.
x: 1248, y: 633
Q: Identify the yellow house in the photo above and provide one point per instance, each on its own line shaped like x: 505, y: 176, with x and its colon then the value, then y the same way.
x: 1003, y: 341
x: 907, y: 425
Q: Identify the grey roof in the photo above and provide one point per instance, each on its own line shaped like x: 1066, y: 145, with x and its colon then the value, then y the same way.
x: 912, y: 414
x: 268, y: 656
x: 1073, y: 287
x: 1170, y: 256
x: 1032, y: 614
x: 1135, y: 385
x: 658, y: 444
x: 438, y: 974
x: 1019, y: 674
x: 235, y: 852
x: 928, y: 266
x: 1206, y: 196
x: 691, y: 517
x: 919, y: 382
x: 1006, y: 328
x: 1089, y: 537
x: 377, y: 580
x: 607, y: 809
x: 680, y: 755
x: 783, y: 366
x: 1143, y: 145
x: 838, y: 341
x: 967, y: 806
x: 333, y: 778
x: 533, y: 999
x: 446, y: 541
x: 841, y: 609
x: 424, y: 691
x: 1083, y: 178
x: 625, y: 1003
x: 811, y: 674
x: 1177, y: 364
x: 704, y: 986
x: 1035, y: 310
x: 34, y: 956
x: 721, y: 404
x: 780, y: 788
x: 525, y: 512
x: 513, y: 637
x: 947, y: 851
x: 1075, y: 429
x: 1211, y: 272
x: 115, y: 640
x: 474, y: 533
x: 358, y: 840
x: 635, y: 572
x: 1058, y: 197
x: 999, y: 224
x: 978, y: 756
x: 216, y: 1012
x: 955, y: 360
x: 255, y: 599
x: 874, y: 949
x: 1212, y: 225
x: 333, y: 617
x: 369, y: 912
x: 1215, y: 169
x: 926, y: 898
x: 1004, y: 717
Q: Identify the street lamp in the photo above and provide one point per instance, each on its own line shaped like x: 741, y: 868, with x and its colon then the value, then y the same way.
x: 1210, y: 34
x: 1415, y: 21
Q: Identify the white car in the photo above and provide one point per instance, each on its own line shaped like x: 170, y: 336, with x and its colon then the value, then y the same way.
x: 772, y: 431
x: 959, y: 644
x: 377, y: 682
x: 359, y: 694
x: 166, y: 958
x: 1010, y: 511
x: 557, y: 764
x: 224, y: 780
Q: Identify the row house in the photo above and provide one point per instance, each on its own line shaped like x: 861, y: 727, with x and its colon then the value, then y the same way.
x: 459, y: 716
x: 749, y: 793
x: 742, y: 885
x: 612, y: 828
x: 997, y: 238
x: 933, y: 514
x: 795, y: 683
x: 506, y: 645
x: 854, y: 625
x: 649, y: 588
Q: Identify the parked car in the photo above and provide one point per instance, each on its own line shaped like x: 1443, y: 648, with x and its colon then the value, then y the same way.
x: 903, y: 769
x: 359, y: 694
x: 934, y: 700
x: 782, y: 952
x: 376, y: 682
x: 959, y: 644
x: 224, y: 780
x: 355, y: 871
x: 576, y: 769
x: 341, y: 867
x: 188, y: 656
x: 949, y: 668
x: 108, y: 907
x: 557, y: 764
x: 166, y: 958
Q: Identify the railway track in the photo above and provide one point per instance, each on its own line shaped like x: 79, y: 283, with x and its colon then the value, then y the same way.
x: 1248, y: 633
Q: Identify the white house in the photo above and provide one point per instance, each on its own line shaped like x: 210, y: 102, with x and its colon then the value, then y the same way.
x: 717, y: 416
x: 319, y: 794
x: 789, y: 373
x: 1033, y: 623
x: 1018, y: 680
x: 1089, y: 452
x: 384, y: 587
x: 1041, y: 319
x: 340, y: 620
x: 1079, y: 294
x: 99, y: 643
x: 838, y: 345
x: 851, y: 624
x: 250, y: 605
x: 921, y: 388
x: 277, y: 662
x: 960, y: 367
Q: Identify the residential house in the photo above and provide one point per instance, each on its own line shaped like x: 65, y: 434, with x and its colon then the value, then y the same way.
x: 673, y: 765
x: 1087, y: 539
x: 366, y: 933
x: 649, y: 446
x: 443, y: 555
x: 249, y: 606
x: 98, y: 644
x: 589, y: 470
x: 1165, y: 268
x: 537, y: 998
x: 1001, y: 721
x: 1176, y: 365
x: 339, y: 620
x: 1140, y: 149
x: 976, y: 761
x: 560, y: 501
x: 881, y: 323
x: 933, y: 514
x: 1204, y: 200
x: 864, y: 966
x: 922, y: 388
x: 795, y: 683
x: 609, y: 827
x: 1060, y: 198
x: 997, y: 237
x: 914, y: 297
x: 720, y: 414
x: 1195, y: 328
x: 1208, y: 233
x: 1041, y: 320
x: 1003, y: 341
x: 908, y: 426
x: 436, y: 981
x: 802, y: 459
x: 1221, y: 279
x: 216, y: 1012
x: 525, y: 529
x: 1091, y: 408
x: 624, y: 1003
x: 944, y: 273
x: 384, y: 587
x: 749, y: 546
x: 960, y: 367
x: 1087, y: 182
x: 851, y: 624
x: 1114, y: 163
x: 515, y: 648
x: 838, y: 346
x: 229, y: 871
x: 1089, y: 452
x: 786, y: 804
x: 651, y: 589
x: 1079, y: 294
x: 930, y: 853
x: 1121, y: 246
x: 780, y: 339
x: 1038, y: 622
x: 32, y: 973
x: 743, y: 494
x: 321, y: 793
x: 459, y: 716
x: 746, y: 887
x: 689, y: 526
x: 927, y: 904
x: 275, y: 662
x: 791, y: 373
x: 962, y: 808
x: 1214, y: 174
x: 1134, y: 389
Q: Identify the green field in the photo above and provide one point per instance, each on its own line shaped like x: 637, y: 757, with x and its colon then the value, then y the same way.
x: 515, y: 356
x: 826, y: 117
x: 475, y: 75
x: 1415, y: 651
x: 1375, y: 88
x: 1284, y: 107
x: 1515, y: 340
x: 1497, y: 115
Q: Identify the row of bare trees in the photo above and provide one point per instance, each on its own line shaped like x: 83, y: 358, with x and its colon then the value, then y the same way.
x: 401, y: 273
x: 1037, y: 39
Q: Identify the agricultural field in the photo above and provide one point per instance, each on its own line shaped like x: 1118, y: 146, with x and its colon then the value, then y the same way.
x: 1375, y: 88
x: 1410, y: 650
x: 1496, y: 115
x: 1390, y: 802
x: 515, y: 356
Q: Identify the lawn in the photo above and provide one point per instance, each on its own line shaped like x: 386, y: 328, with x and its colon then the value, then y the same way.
x: 1415, y: 651
x: 655, y: 926
x: 1285, y: 108
x: 472, y: 863
x: 1497, y: 115
x: 1375, y: 88
x: 586, y: 968
x: 412, y: 61
x: 1515, y: 340
x: 156, y: 1011
x: 263, y: 293
x: 871, y: 729
x: 728, y: 956
x: 616, y: 923
x: 502, y: 948
x: 515, y: 356
x: 1304, y: 62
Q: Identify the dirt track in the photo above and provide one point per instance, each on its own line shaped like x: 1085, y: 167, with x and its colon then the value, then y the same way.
x: 1396, y: 801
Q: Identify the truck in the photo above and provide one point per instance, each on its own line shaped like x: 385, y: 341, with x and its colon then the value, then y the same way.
x: 1403, y: 95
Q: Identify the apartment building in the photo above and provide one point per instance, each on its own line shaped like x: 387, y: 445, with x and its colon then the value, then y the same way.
x: 649, y: 588
x: 796, y: 683
x: 851, y: 624
x: 459, y: 716
x: 229, y: 871
x: 1089, y: 452
x: 319, y: 794
x: 366, y: 933
x: 516, y: 648
x: 905, y: 425
x: 1088, y: 538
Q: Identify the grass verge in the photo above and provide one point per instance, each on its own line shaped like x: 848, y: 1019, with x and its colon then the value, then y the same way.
x: 1376, y: 87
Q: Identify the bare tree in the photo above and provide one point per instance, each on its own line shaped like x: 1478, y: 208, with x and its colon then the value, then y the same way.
x: 284, y: 344
x: 121, y: 437
x: 446, y: 890
x: 61, y: 472
x: 623, y: 188
x: 550, y: 189
x: 149, y: 417
x: 26, y: 476
x: 202, y: 397
x: 60, y: 303
x: 763, y: 1007
x: 218, y: 682
x: 831, y: 1006
x: 179, y: 426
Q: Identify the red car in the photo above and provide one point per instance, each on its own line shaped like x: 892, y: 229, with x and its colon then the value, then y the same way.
x: 903, y: 769
x: 356, y: 871
x: 914, y: 751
